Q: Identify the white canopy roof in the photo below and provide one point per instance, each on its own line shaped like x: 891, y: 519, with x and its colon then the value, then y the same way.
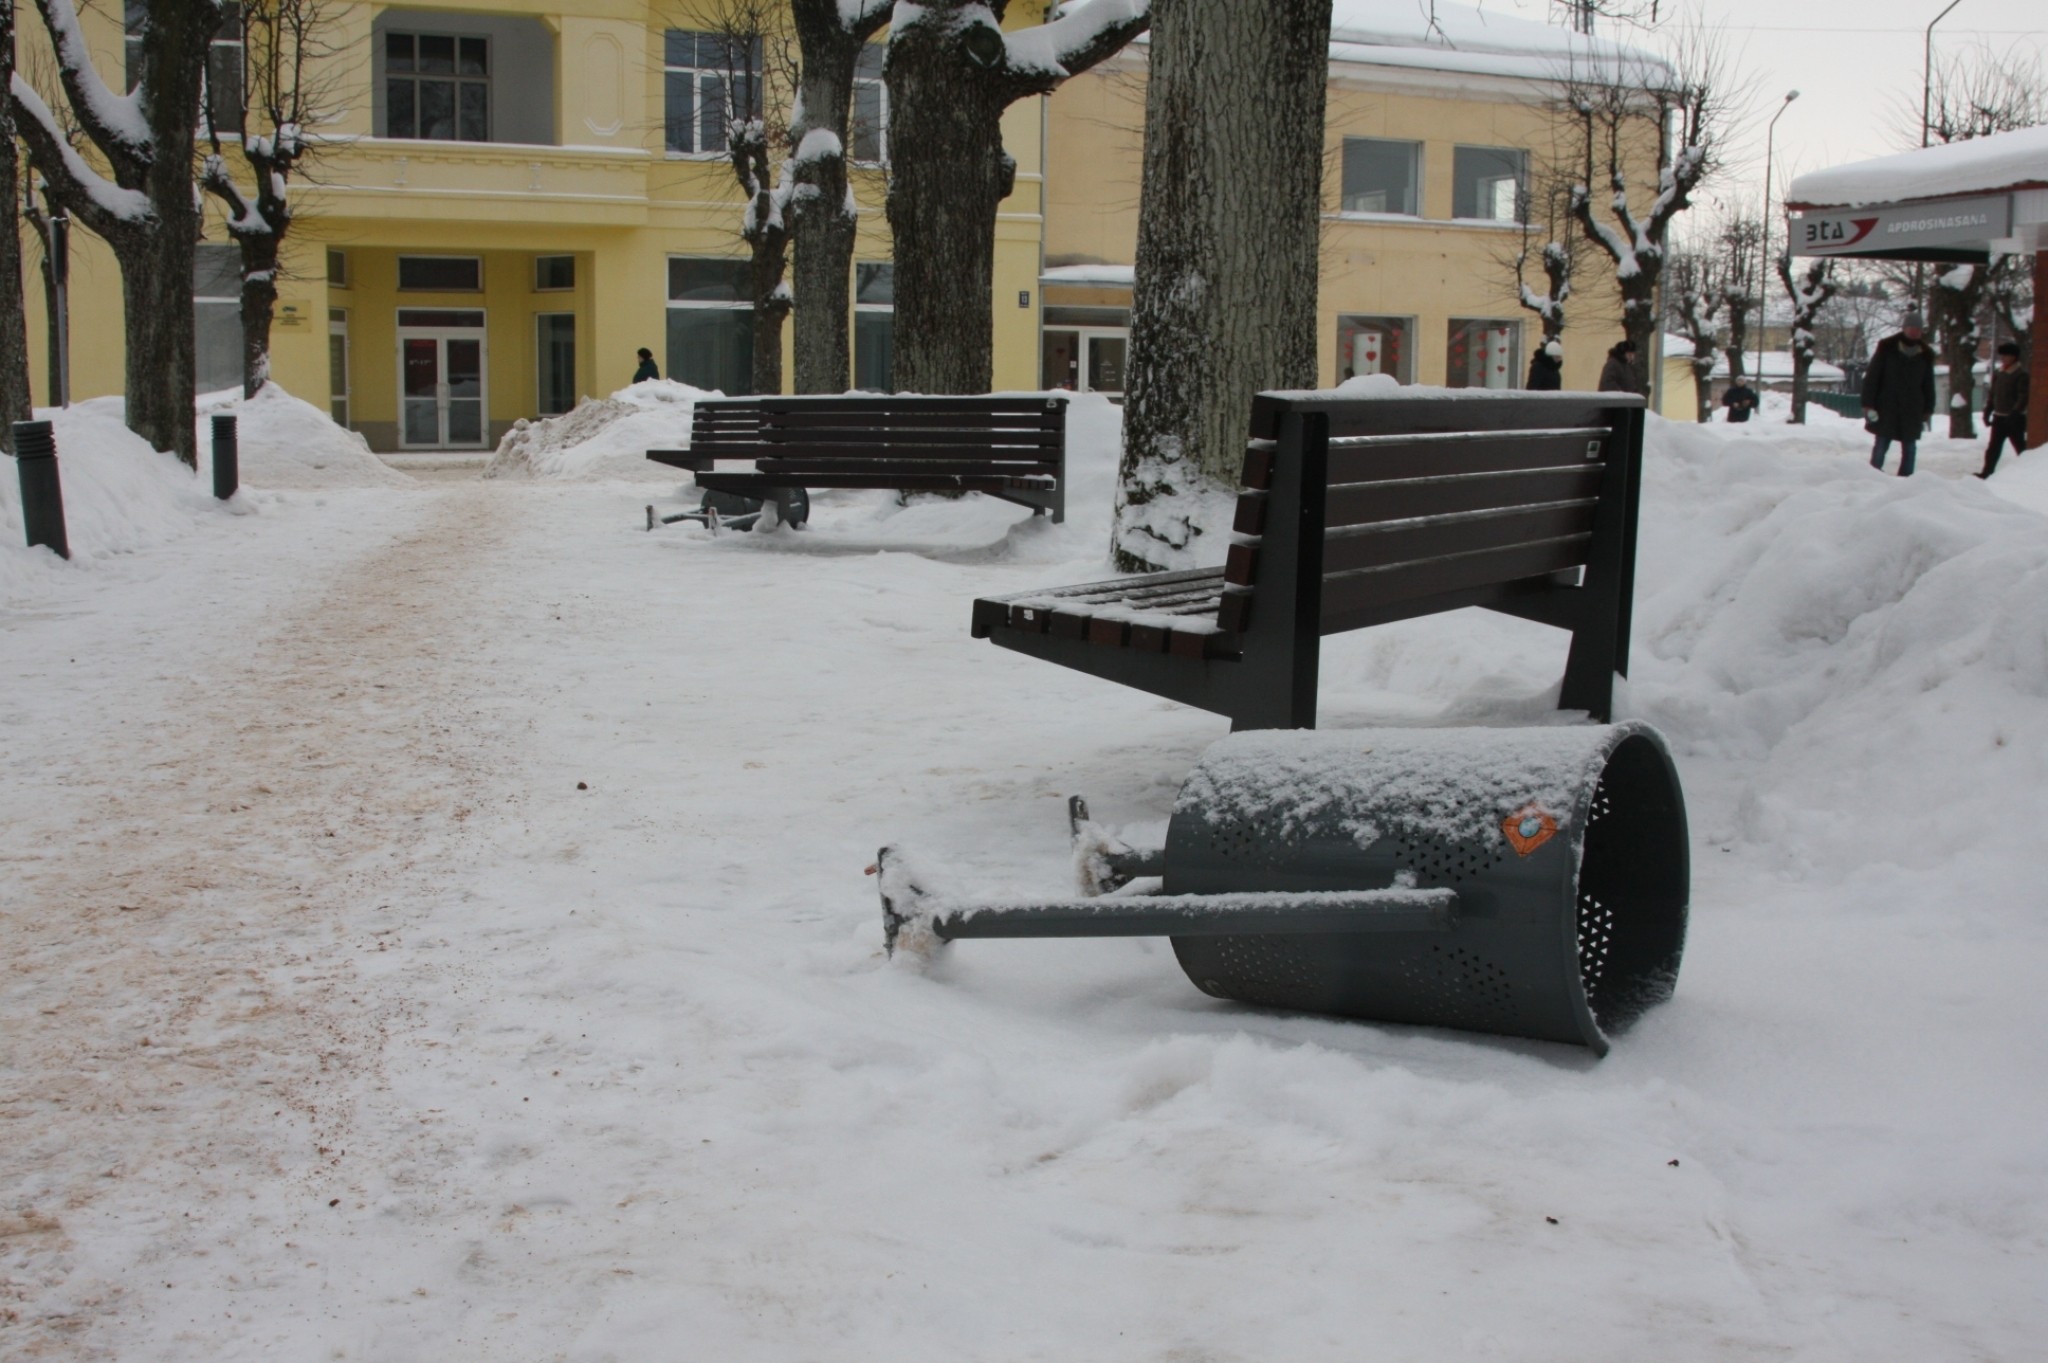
x: 1981, y: 165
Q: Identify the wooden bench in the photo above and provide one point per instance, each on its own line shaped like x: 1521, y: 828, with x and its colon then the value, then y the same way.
x: 1356, y: 512
x: 1008, y: 447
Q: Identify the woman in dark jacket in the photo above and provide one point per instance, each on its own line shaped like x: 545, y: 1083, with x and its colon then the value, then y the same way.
x: 1898, y: 393
x: 1619, y: 374
x: 1546, y: 367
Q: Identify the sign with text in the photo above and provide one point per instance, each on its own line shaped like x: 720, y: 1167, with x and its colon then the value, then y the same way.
x: 1957, y: 224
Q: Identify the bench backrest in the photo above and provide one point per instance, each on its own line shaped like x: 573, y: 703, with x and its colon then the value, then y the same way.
x: 1361, y: 511
x: 1004, y: 435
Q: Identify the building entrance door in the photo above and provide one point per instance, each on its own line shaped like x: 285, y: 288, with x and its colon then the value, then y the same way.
x: 441, y: 380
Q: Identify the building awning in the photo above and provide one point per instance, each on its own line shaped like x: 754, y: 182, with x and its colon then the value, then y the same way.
x: 1965, y: 201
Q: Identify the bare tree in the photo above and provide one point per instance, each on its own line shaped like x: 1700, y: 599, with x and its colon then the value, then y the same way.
x: 830, y: 35
x: 1225, y: 299
x: 951, y: 72
x: 1547, y: 242
x: 1810, y: 289
x: 1694, y: 297
x: 1633, y: 113
x: 1740, y: 243
x: 761, y: 74
x: 286, y: 85
x: 147, y: 212
x: 2013, y: 304
x: 1975, y: 94
x: 16, y: 403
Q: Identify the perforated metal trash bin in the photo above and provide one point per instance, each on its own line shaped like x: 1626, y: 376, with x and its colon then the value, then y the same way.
x: 1566, y: 848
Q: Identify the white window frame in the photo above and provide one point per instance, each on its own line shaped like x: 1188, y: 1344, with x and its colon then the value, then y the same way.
x: 570, y: 287
x: 701, y: 79
x: 454, y: 77
x: 1521, y: 180
x: 1415, y: 186
x: 540, y: 321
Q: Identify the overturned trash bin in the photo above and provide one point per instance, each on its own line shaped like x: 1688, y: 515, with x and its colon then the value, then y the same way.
x: 1528, y: 882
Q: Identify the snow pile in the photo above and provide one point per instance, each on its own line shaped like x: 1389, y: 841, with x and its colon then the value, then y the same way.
x: 120, y: 497
x: 602, y: 438
x: 284, y: 442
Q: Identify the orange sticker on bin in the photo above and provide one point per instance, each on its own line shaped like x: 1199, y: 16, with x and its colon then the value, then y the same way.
x: 1528, y: 828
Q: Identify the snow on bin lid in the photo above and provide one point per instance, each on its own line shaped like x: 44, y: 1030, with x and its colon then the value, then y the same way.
x: 1981, y: 165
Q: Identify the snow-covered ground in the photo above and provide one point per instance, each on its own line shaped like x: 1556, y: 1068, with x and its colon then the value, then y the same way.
x: 434, y: 928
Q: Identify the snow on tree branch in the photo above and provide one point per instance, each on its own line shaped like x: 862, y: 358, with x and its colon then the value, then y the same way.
x: 1078, y: 39
x: 115, y: 123
x: 48, y: 145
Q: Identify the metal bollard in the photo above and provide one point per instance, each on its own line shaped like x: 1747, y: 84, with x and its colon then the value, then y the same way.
x: 227, y: 456
x: 42, y: 497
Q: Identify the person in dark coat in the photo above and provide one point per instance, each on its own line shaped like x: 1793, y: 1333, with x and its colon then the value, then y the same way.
x: 646, y: 370
x: 1546, y: 367
x: 1898, y: 392
x: 2005, y: 408
x: 1621, y: 374
x: 1740, y: 400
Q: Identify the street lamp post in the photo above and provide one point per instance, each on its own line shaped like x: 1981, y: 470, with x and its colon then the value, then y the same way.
x: 1927, y: 70
x: 1763, y: 275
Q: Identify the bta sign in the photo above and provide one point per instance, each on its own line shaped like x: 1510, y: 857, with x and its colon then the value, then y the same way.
x: 1968, y: 224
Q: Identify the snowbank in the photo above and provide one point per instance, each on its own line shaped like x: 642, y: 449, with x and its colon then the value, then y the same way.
x: 288, y: 443
x: 602, y: 438
x: 120, y: 497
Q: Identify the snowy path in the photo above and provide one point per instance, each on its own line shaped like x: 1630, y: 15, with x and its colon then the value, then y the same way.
x: 449, y: 1058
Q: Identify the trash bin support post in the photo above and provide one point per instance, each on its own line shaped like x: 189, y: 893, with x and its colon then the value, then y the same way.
x: 42, y: 496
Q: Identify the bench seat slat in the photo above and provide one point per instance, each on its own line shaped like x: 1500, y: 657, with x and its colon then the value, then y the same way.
x: 1442, y: 537
x: 799, y: 465
x: 1372, y: 503
x: 906, y: 403
x: 751, y: 483
x: 1025, y: 423
x: 1366, y: 591
x: 843, y: 438
x: 1381, y: 460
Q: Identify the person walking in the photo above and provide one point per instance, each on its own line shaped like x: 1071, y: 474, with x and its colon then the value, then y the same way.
x: 646, y: 370
x: 2005, y: 409
x: 1898, y: 392
x: 1620, y: 374
x: 1546, y: 367
x: 1740, y: 400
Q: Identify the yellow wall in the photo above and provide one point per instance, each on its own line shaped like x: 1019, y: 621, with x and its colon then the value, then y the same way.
x: 1429, y: 269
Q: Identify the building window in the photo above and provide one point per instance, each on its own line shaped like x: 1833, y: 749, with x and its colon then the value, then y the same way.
x: 551, y: 273
x: 707, y: 77
x: 441, y: 274
x: 217, y: 317
x: 1375, y: 345
x: 710, y: 324
x: 437, y: 86
x: 874, y: 327
x: 557, y: 342
x: 1381, y: 176
x: 1487, y: 182
x: 1483, y: 353
x: 337, y: 269
x: 870, y: 107
x: 226, y: 61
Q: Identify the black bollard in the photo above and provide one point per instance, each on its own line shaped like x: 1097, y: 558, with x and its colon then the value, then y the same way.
x: 227, y: 456
x: 42, y: 498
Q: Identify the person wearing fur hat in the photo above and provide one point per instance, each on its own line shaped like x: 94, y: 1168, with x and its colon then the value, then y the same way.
x: 1546, y: 367
x: 1620, y: 374
x: 1898, y: 392
x: 2005, y: 408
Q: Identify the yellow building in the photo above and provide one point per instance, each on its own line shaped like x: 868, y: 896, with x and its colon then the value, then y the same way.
x: 516, y: 195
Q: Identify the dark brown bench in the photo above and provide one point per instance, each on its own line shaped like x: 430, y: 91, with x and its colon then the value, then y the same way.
x: 1356, y: 512
x: 1008, y: 447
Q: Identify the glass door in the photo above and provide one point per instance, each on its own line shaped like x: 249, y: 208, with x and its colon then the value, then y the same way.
x: 441, y: 388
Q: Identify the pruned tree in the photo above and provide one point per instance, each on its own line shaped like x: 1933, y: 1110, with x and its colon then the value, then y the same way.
x: 1225, y: 299
x: 760, y: 62
x: 1739, y: 243
x: 1810, y: 290
x: 1974, y: 94
x: 148, y: 211
x: 2013, y: 303
x: 1694, y: 297
x: 16, y: 402
x: 1546, y: 243
x: 820, y: 209
x: 951, y: 71
x: 284, y: 87
x: 1629, y: 114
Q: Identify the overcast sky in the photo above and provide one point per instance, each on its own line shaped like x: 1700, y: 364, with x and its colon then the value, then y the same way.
x: 1856, y: 64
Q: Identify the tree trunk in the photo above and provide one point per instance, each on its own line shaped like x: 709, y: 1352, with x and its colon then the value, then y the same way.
x: 1802, y: 367
x: 1738, y: 340
x: 1639, y: 321
x: 259, y: 307
x: 1703, y: 381
x: 16, y: 402
x: 948, y: 174
x: 1957, y: 292
x: 822, y: 223
x: 771, y: 309
x: 1228, y: 223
